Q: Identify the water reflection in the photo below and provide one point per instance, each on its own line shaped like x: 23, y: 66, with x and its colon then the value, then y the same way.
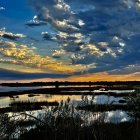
x: 75, y: 99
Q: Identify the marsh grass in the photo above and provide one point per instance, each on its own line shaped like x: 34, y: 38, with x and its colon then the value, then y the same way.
x: 63, y: 122
x: 34, y: 103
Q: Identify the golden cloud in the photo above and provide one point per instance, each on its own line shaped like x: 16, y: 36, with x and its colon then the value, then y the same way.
x: 91, y: 49
x: 26, y: 56
x: 104, y: 76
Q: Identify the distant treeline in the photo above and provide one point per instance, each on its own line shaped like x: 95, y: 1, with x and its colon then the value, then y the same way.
x: 66, y: 83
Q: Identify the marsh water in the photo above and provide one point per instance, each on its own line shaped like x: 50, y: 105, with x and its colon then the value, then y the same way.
x: 75, y: 100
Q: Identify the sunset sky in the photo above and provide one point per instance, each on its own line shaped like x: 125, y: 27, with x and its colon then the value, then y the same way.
x: 76, y: 40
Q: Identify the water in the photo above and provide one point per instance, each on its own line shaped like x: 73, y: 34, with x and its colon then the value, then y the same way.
x: 7, y: 89
x: 75, y: 100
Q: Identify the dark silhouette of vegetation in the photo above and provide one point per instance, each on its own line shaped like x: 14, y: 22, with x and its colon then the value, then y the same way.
x: 20, y: 106
x: 28, y: 103
x: 104, y: 107
x: 133, y: 102
x: 70, y: 129
x: 63, y: 122
x: 69, y: 91
x: 32, y: 95
x: 66, y: 83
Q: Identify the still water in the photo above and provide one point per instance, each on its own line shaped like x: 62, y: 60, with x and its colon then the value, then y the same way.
x: 75, y: 100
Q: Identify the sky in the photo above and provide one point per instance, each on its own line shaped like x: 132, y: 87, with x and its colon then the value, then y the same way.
x: 72, y: 40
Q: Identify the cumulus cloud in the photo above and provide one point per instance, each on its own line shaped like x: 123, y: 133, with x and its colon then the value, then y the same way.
x: 58, y: 14
x: 54, y: 8
x: 35, y: 22
x: 9, y: 35
x: 48, y: 36
x: 58, y: 53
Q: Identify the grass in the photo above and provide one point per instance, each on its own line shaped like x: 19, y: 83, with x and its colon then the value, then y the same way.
x: 20, y: 106
x: 29, y: 103
x: 103, y: 107
x: 63, y: 122
x: 70, y: 129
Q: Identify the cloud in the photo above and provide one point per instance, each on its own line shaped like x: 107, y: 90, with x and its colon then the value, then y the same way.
x: 104, y: 76
x: 52, y: 8
x: 58, y: 14
x: 9, y: 35
x: 84, y: 35
x: 14, y: 75
x: 26, y: 56
x: 126, y: 70
x: 101, y: 38
x: 2, y: 8
x: 35, y: 22
x: 58, y: 53
x: 64, y: 26
x: 47, y: 36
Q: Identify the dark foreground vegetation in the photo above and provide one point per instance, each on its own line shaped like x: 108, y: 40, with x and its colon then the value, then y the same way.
x: 66, y: 126
x: 70, y: 129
